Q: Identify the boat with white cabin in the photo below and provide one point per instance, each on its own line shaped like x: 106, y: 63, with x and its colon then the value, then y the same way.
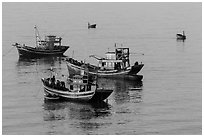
x: 116, y: 64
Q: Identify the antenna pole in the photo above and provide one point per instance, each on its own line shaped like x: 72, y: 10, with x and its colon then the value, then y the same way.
x: 36, y: 36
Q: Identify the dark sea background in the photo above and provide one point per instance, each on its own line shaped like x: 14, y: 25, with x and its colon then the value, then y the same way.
x: 170, y: 101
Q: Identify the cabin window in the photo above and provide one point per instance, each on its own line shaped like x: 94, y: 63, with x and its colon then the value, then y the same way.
x: 110, y: 65
x: 85, y: 81
x: 71, y: 87
x: 88, y: 87
x: 82, y: 88
x: 103, y: 63
x: 76, y: 87
x: 85, y: 77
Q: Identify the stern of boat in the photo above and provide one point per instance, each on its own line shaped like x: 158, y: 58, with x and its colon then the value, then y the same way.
x: 136, y: 68
x: 101, y: 94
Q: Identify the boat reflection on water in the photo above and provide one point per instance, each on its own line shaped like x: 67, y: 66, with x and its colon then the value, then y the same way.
x: 180, y: 40
x: 59, y: 110
x: 40, y: 61
x: 39, y: 65
x: 89, y: 117
x: 75, y: 115
x: 31, y: 70
x: 123, y: 90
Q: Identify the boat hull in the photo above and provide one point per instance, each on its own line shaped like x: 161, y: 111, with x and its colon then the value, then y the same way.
x: 180, y: 36
x: 130, y: 74
x: 33, y: 52
x: 92, y: 26
x: 101, y: 94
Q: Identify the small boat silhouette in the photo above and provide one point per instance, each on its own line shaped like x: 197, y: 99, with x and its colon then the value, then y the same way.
x: 181, y: 36
x: 91, y: 25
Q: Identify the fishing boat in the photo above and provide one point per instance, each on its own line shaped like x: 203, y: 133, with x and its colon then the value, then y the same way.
x: 75, y: 88
x: 181, y: 36
x: 115, y: 65
x: 78, y: 89
x: 91, y: 25
x: 50, y: 46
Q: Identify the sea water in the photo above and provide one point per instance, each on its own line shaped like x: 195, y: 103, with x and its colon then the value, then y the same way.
x: 170, y: 101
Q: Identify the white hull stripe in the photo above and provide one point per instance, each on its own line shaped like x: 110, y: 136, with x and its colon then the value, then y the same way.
x: 87, y: 97
x: 67, y: 92
x: 77, y: 68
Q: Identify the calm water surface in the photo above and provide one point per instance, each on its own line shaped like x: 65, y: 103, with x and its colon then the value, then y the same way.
x: 170, y: 101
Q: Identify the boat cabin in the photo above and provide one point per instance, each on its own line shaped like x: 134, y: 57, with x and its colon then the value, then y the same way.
x: 116, y: 60
x: 50, y: 42
x: 80, y: 83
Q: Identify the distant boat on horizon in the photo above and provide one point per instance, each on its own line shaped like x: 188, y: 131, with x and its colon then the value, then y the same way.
x: 91, y: 25
x: 181, y: 36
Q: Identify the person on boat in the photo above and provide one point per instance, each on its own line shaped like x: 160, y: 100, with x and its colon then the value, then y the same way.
x: 63, y: 84
x: 58, y: 85
x: 53, y: 81
x: 136, y: 63
x: 81, y: 63
x: 64, y: 81
x: 47, y: 81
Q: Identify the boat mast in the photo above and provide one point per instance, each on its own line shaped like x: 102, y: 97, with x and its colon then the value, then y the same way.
x: 37, y: 35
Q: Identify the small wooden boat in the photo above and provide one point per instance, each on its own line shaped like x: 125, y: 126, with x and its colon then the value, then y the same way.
x: 114, y: 65
x: 181, y: 36
x: 51, y: 46
x: 91, y: 25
